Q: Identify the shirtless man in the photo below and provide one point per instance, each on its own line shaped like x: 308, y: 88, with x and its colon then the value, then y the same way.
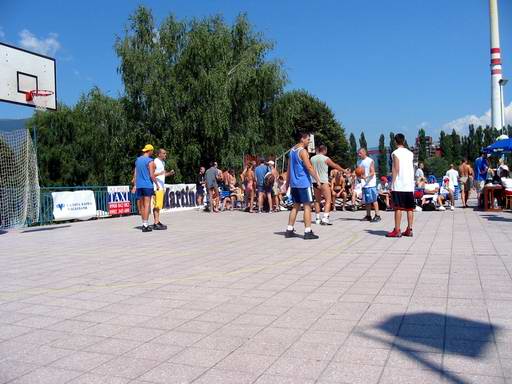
x: 338, y: 188
x: 321, y: 164
x: 248, y: 179
x: 466, y: 181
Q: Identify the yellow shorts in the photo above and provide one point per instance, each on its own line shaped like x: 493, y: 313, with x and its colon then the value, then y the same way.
x: 158, y: 199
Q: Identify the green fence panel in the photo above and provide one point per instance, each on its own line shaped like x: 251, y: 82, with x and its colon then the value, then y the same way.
x: 100, y: 195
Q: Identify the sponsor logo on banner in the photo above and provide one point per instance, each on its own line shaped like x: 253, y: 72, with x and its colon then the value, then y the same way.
x: 73, y: 205
x: 180, y: 196
x: 119, y: 200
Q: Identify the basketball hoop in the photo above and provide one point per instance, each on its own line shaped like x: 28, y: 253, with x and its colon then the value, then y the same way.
x: 39, y: 97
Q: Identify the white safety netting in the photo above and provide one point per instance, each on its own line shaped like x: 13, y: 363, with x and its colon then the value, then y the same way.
x: 19, y: 179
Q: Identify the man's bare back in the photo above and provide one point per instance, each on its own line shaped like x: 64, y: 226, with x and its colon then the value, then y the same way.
x: 465, y: 170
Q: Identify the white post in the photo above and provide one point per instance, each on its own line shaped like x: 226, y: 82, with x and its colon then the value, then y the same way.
x: 496, y: 74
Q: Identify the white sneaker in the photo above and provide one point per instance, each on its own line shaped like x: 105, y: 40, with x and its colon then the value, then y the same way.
x: 418, y: 209
x: 441, y: 208
x: 317, y: 221
x: 452, y: 208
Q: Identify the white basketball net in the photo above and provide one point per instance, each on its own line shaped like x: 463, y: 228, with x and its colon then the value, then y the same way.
x: 41, y: 102
x: 19, y: 179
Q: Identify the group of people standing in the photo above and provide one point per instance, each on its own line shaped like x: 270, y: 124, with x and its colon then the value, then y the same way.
x: 303, y: 178
x: 303, y: 173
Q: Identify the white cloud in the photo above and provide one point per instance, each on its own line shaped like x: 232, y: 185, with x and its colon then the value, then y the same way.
x: 461, y: 124
x: 47, y: 46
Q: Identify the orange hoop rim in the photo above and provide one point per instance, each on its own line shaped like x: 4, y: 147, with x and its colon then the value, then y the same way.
x: 38, y: 93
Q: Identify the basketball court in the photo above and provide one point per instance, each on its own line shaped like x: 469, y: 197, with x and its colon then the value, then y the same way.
x: 206, y: 302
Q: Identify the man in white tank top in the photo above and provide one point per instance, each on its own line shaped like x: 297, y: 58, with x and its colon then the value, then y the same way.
x: 402, y: 188
x: 369, y: 186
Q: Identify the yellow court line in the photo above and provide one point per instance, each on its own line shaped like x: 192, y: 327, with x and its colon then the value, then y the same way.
x: 157, y: 283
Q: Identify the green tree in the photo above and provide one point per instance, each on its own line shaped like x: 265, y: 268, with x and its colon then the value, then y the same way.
x: 473, y: 145
x: 383, y: 157
x: 479, y: 140
x: 85, y: 145
x: 362, y: 141
x: 392, y: 147
x: 445, y: 142
x: 299, y: 111
x: 456, y: 147
x: 203, y: 89
x: 422, y: 146
x: 353, y: 150
x: 436, y: 166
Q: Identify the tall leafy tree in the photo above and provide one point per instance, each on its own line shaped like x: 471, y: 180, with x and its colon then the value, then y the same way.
x: 383, y: 157
x: 353, y: 150
x: 445, y: 142
x: 456, y: 147
x: 392, y: 143
x: 422, y: 146
x: 203, y: 88
x: 479, y: 139
x: 362, y: 141
x: 299, y: 111
x: 392, y: 147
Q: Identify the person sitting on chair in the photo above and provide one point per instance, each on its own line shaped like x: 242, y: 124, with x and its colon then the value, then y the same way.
x: 383, y: 190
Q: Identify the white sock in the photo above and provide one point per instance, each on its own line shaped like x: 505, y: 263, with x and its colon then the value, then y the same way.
x: 144, y: 223
x: 289, y: 228
x: 307, y: 229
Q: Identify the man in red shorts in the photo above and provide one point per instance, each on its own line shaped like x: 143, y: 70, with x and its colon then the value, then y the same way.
x: 402, y: 193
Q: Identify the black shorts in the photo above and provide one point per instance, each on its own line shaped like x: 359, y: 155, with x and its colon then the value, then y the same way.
x: 144, y: 192
x: 403, y: 201
x: 301, y: 195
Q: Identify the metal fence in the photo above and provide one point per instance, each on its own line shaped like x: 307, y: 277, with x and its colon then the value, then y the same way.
x: 100, y: 195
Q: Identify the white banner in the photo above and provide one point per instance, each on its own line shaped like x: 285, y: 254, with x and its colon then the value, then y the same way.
x: 179, y: 196
x: 73, y: 205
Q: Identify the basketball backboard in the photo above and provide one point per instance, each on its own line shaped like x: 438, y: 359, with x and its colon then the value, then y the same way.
x: 22, y: 71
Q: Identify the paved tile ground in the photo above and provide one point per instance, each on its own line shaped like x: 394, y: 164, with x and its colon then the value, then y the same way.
x: 226, y: 299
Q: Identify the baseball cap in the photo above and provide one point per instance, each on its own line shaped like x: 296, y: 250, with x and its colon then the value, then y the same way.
x: 271, y: 162
x: 147, y: 148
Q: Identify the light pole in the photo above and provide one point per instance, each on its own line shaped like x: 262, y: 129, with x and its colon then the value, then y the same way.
x: 502, y: 83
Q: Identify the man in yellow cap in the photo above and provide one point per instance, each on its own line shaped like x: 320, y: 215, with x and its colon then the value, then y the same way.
x: 144, y: 178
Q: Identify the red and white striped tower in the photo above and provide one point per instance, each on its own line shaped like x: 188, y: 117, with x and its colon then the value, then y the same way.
x: 496, y: 75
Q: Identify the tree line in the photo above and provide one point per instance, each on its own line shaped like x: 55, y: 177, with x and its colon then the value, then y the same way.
x: 200, y: 88
x: 205, y: 91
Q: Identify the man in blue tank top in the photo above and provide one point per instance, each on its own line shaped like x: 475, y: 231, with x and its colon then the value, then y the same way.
x: 299, y: 175
x: 144, y: 177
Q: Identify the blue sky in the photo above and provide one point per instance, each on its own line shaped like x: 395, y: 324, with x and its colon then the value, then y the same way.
x: 380, y: 65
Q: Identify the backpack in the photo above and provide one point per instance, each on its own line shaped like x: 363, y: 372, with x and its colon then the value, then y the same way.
x: 428, y: 206
x: 269, y: 179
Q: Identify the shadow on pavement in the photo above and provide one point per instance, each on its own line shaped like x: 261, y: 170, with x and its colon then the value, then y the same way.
x: 2, y: 232
x: 376, y: 232
x: 435, y: 332
x: 283, y: 233
x: 45, y: 229
x: 497, y: 218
